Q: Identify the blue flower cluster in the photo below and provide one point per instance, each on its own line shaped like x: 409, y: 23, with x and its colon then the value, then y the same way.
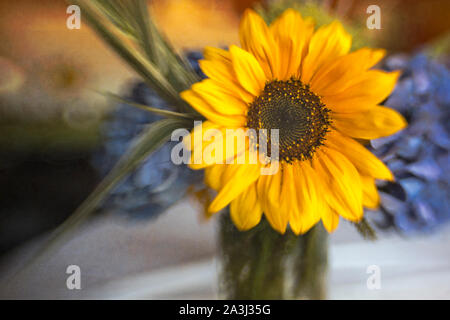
x: 419, y: 155
x: 158, y: 183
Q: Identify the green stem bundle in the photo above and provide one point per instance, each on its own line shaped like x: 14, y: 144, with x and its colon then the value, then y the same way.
x: 263, y: 264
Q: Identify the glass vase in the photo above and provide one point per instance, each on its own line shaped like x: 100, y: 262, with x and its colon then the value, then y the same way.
x: 263, y: 264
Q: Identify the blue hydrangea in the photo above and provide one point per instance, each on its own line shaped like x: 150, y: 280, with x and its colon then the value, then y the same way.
x: 419, y: 155
x: 158, y: 183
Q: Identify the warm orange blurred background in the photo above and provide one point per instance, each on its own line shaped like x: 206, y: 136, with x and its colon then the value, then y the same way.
x: 55, y: 64
x: 45, y: 66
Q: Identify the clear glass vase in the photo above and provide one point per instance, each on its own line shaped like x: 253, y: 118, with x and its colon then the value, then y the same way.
x: 263, y: 264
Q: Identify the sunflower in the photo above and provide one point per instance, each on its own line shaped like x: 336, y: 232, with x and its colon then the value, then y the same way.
x: 325, y: 102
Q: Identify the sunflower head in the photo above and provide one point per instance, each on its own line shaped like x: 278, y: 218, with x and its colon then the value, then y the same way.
x: 320, y: 98
x: 300, y: 116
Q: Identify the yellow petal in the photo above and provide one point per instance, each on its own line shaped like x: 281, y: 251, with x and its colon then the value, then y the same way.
x: 212, y: 136
x: 218, y: 67
x: 327, y: 44
x: 371, y: 88
x: 330, y: 220
x: 288, y: 199
x: 221, y: 146
x: 213, y: 176
x: 269, y: 192
x: 371, y: 198
x: 256, y: 38
x: 292, y: 35
x: 248, y: 71
x: 219, y: 98
x: 310, y: 204
x: 328, y: 215
x: 191, y: 142
x: 342, y: 73
x: 362, y: 159
x: 196, y: 141
x: 344, y: 193
x: 203, y: 107
x: 236, y: 178
x: 245, y: 210
x: 212, y: 53
x: 374, y: 123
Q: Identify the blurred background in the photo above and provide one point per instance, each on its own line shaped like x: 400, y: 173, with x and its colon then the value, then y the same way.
x: 54, y: 151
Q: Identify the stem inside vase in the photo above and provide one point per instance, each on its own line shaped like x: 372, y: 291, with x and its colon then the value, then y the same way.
x: 262, y: 264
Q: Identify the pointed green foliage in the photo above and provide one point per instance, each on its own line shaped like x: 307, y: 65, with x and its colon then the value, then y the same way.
x: 365, y: 229
x: 127, y: 28
x: 151, y: 56
x: 162, y: 112
x: 152, y: 137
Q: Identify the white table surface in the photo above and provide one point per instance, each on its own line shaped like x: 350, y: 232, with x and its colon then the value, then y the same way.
x: 173, y: 258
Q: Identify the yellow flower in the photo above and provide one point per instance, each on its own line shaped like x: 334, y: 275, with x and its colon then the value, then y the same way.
x: 321, y: 97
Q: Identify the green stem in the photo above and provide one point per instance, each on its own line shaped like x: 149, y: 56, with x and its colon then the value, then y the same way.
x: 263, y: 264
x: 310, y: 266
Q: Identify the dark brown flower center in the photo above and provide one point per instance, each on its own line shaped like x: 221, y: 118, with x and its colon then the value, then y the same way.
x: 297, y: 112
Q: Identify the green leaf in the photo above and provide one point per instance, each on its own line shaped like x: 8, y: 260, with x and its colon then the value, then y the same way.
x: 166, y: 113
x: 153, y: 137
x: 365, y: 229
x: 158, y: 49
x: 149, y: 72
x: 146, y: 50
x: 114, y: 13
